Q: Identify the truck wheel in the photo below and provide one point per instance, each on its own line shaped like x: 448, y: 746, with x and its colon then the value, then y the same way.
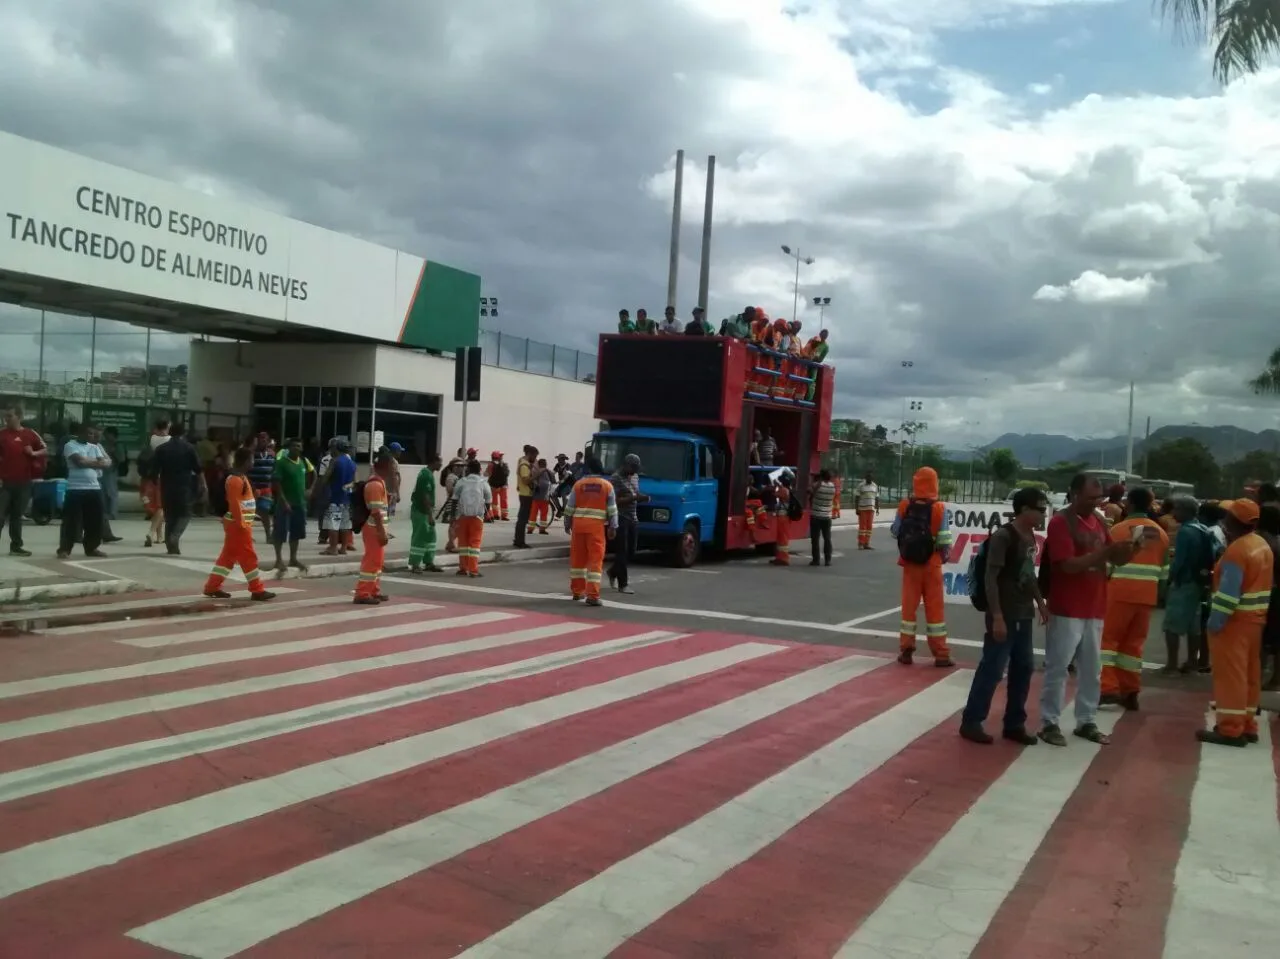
x: 687, y: 547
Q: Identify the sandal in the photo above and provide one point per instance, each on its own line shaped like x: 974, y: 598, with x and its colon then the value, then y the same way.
x: 1091, y: 732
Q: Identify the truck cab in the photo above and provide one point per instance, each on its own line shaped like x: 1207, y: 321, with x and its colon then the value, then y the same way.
x: 691, y: 409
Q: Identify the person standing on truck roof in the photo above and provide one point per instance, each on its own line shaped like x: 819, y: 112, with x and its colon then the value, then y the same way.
x: 590, y: 518
x: 644, y: 324
x: 816, y: 351
x: 923, y: 532
x: 699, y: 326
x: 626, y: 488
x: 624, y: 322
x: 670, y: 325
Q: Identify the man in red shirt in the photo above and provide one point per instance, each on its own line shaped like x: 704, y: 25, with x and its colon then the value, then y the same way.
x: 1077, y: 551
x: 22, y: 459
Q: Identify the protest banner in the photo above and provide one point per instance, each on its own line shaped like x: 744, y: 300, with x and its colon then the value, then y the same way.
x: 971, y: 524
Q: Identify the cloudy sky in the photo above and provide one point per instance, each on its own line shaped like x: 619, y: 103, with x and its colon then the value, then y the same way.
x: 1032, y: 200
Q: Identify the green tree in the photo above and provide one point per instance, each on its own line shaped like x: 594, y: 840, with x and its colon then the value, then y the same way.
x: 931, y: 455
x: 1243, y: 32
x: 880, y: 433
x: 1187, y: 461
x: 1268, y: 381
x: 1254, y: 465
x: 1003, y: 465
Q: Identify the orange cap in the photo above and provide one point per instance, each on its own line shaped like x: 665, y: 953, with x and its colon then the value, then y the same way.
x: 1245, y: 510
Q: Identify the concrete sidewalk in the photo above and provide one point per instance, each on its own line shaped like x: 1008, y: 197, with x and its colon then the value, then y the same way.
x: 128, y: 565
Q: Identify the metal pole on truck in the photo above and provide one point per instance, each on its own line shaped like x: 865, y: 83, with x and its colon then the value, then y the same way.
x: 704, y: 271
x: 807, y: 261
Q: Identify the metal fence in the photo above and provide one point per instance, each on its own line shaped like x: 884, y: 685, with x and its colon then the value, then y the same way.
x: 530, y: 356
x: 80, y: 386
x: 958, y: 482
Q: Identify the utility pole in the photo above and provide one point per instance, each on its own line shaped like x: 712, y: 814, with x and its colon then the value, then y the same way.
x: 1146, y: 449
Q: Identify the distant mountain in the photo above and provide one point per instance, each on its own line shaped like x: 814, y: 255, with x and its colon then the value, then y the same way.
x: 1227, y: 443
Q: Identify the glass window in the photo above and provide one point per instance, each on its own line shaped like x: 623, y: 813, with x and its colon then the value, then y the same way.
x: 328, y: 425
x: 659, y: 459
x: 292, y: 425
x: 365, y: 397
x: 328, y: 396
x: 708, y: 463
x: 311, y: 396
x: 293, y: 395
x: 402, y: 401
x: 364, y: 421
x: 347, y: 397
x: 268, y: 394
x: 269, y: 420
x: 419, y: 435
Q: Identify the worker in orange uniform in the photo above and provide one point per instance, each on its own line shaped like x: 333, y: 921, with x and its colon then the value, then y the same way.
x: 498, y: 473
x: 237, y: 534
x: 475, y: 500
x: 1132, y: 592
x: 788, y: 510
x: 374, y: 531
x: 1242, y: 584
x: 590, y: 516
x: 866, y: 501
x: 923, y: 531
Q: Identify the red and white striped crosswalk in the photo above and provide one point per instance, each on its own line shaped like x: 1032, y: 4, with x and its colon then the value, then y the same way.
x: 419, y: 780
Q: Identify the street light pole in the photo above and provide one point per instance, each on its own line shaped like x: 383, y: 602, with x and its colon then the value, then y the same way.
x: 821, y: 302
x: 807, y: 261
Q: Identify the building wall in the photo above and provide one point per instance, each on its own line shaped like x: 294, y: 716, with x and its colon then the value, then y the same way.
x: 516, y: 408
x: 224, y: 373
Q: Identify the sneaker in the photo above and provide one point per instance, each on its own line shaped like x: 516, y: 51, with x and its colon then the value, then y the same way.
x: 946, y: 662
x: 1019, y: 736
x: 594, y: 601
x: 19, y: 551
x: 218, y: 594
x: 263, y: 596
x: 1052, y: 735
x: 905, y: 656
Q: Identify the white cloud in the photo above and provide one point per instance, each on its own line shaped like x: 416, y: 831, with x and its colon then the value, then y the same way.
x: 532, y: 143
x: 1092, y: 287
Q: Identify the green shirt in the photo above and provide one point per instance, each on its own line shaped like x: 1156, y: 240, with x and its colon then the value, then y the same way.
x: 424, y: 493
x: 626, y: 326
x: 291, y: 476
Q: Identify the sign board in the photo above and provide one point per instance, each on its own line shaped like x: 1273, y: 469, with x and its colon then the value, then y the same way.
x: 971, y: 524
x: 66, y: 217
x: 130, y: 422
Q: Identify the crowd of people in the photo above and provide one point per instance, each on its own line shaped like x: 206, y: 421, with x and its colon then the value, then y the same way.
x: 752, y: 325
x: 1107, y: 562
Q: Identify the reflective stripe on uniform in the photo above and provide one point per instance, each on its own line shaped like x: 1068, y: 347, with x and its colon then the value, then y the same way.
x: 1121, y: 661
x: 1141, y: 572
x: 935, y: 629
x: 1254, y: 602
x: 907, y: 628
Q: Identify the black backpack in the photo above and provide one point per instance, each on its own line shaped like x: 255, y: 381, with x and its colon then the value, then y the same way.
x: 915, y: 533
x: 794, y: 508
x: 501, y: 473
x: 976, y: 577
x: 359, y: 508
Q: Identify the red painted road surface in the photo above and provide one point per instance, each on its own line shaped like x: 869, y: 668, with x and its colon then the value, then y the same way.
x: 310, y: 779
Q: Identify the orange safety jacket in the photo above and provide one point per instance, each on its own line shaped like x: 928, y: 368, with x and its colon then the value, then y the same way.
x: 1138, y: 581
x: 242, y: 505
x: 1242, y: 582
x: 592, y: 506
x: 375, y: 496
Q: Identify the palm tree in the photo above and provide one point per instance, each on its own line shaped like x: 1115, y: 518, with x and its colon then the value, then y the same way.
x: 1268, y: 381
x: 1244, y: 32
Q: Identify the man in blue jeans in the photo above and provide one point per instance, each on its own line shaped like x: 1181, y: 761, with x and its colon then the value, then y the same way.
x: 1013, y: 599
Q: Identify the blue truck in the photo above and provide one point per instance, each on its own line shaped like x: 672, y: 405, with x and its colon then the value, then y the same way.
x: 690, y: 408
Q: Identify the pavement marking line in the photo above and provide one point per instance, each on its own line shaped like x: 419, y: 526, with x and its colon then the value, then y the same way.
x: 92, y: 848
x: 237, y: 920
x: 178, y: 664
x: 108, y: 762
x: 178, y: 620
x: 601, y: 914
x: 866, y: 619
x: 159, y: 702
x: 123, y: 605
x: 284, y: 624
x: 945, y: 904
x: 716, y: 614
x: 1226, y: 888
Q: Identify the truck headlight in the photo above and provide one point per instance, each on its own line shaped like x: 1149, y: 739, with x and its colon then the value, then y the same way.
x: 662, y: 515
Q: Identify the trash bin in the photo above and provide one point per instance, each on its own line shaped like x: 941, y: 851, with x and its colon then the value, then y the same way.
x: 47, y: 497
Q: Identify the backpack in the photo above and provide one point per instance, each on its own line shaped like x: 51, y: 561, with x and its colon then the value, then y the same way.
x: 977, y: 575
x: 501, y: 473
x: 359, y: 508
x: 915, y: 533
x: 794, y: 508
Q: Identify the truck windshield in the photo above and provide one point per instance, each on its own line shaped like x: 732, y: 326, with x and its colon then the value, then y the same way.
x: 659, y: 459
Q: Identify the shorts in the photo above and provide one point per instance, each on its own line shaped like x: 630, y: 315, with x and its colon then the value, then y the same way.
x: 337, y: 518
x: 291, y: 526
x: 265, y: 505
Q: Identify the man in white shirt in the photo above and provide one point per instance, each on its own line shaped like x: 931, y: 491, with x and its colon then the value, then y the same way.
x: 473, y: 497
x: 670, y: 325
x: 866, y: 500
x: 83, y: 507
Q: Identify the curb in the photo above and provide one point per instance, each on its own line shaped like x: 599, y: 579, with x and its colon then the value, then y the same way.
x: 400, y: 564
x: 38, y: 593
